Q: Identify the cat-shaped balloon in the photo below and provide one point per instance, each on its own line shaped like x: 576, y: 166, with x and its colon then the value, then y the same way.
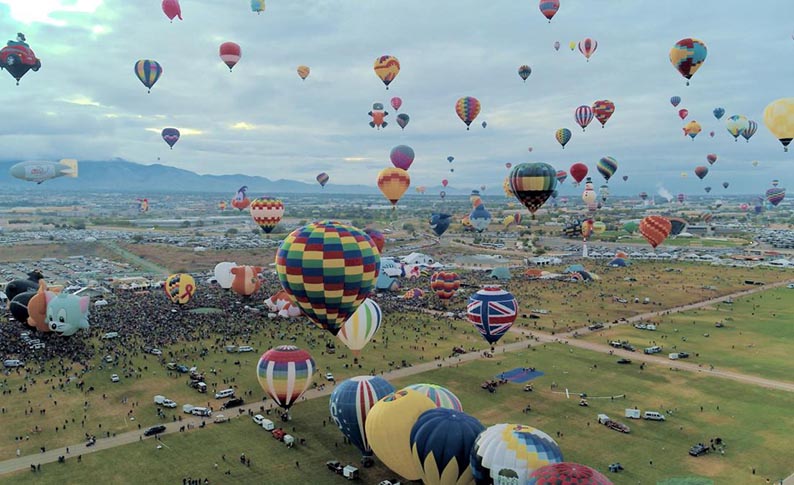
x: 66, y: 314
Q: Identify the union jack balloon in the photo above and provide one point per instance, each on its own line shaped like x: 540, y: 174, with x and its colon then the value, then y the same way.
x: 492, y: 310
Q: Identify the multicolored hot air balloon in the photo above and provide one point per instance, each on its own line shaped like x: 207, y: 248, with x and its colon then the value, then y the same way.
x: 779, y: 119
x: 549, y: 8
x: 675, y: 101
x: 583, y: 116
x: 266, y: 212
x: 230, y: 54
x: 509, y: 453
x: 655, y: 229
x: 736, y: 125
x: 328, y: 269
x: 492, y: 310
x: 171, y: 136
x: 441, y: 443
x: 603, y: 110
x: 711, y: 158
x: 701, y: 171
x: 562, y: 175
x: 687, y: 55
x: 718, y: 112
x: 445, y: 284
x: 393, y: 182
x: 377, y: 238
x: 148, y: 72
x: 524, y: 72
x: 402, y: 156
x: 350, y: 404
x: 322, y: 178
x: 439, y: 223
x: 748, y: 132
x: 241, y: 201
x: 359, y: 329
x: 402, y: 120
x: 563, y: 136
x: 677, y: 225
x: 588, y: 47
x: 607, y: 167
x: 578, y: 171
x: 467, y: 109
x: 180, y: 288
x: 567, y: 473
x: 692, y: 129
x: 441, y: 396
x: 533, y: 184
x: 775, y: 195
x: 387, y: 68
x: 258, y: 6
x: 285, y: 373
x: 172, y: 9
x: 304, y: 71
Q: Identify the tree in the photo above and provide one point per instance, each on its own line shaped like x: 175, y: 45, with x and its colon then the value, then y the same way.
x: 231, y: 232
x: 137, y: 238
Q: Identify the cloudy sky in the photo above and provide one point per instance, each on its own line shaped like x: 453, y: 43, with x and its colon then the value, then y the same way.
x: 261, y: 119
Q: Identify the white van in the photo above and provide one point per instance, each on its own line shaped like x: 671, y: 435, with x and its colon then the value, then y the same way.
x: 201, y: 412
x: 13, y: 363
x: 159, y: 399
x: 245, y: 348
x: 224, y: 393
x: 110, y: 335
x: 632, y: 413
x: 187, y: 408
x: 268, y: 425
x: 673, y: 356
x: 653, y: 415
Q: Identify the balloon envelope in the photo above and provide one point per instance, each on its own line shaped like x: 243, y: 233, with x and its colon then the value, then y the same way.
x: 387, y: 68
x: 439, y: 223
x: 350, y: 404
x: 170, y: 135
x: 230, y: 54
x: 148, y: 72
x: 441, y: 443
x: 505, y: 451
x: 492, y: 310
x: 393, y: 182
x: 266, y: 212
x: 567, y: 473
x: 779, y: 119
x: 441, y: 396
x: 180, y: 288
x: 533, y: 184
x: 445, y: 284
x: 223, y: 274
x: 467, y: 109
x: 655, y: 229
x: 359, y: 329
x: 402, y: 156
x: 285, y: 373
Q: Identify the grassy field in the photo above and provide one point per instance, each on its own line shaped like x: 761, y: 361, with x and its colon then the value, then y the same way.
x: 178, y: 259
x: 37, y: 251
x: 756, y: 338
x: 754, y: 423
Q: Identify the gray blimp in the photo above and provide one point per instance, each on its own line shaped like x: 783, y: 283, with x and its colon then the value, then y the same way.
x: 40, y: 171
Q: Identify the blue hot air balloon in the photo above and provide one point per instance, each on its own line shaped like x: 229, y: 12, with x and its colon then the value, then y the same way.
x: 350, y: 403
x: 439, y: 223
x: 718, y: 112
x: 441, y: 444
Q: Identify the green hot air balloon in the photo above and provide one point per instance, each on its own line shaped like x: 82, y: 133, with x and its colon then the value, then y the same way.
x: 533, y: 184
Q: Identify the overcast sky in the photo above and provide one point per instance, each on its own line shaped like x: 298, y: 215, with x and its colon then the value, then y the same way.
x: 262, y: 119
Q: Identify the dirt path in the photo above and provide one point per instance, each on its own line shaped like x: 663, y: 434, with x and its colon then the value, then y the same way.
x: 23, y: 463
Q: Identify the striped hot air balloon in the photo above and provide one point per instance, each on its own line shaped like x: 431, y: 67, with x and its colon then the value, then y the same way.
x: 441, y: 396
x: 588, y: 47
x: 230, y: 54
x: 350, y: 404
x: 748, y: 132
x: 563, y: 136
x: 549, y: 8
x: 655, y: 229
x: 322, y: 178
x: 387, y: 68
x: 561, y: 176
x: 533, y: 184
x: 445, y: 284
x: 583, y: 116
x: 467, y: 109
x: 285, y: 373
x: 508, y: 453
x: 148, y: 72
x: 607, y: 167
x: 775, y: 195
x: 524, y: 72
x: 266, y: 212
x: 359, y: 329
x: 603, y: 110
x: 393, y: 182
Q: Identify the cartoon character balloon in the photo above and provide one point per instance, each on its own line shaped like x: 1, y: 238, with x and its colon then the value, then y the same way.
x: 241, y: 201
x: 285, y: 373
x: 223, y: 274
x: 66, y: 314
x: 441, y: 443
x: 492, y: 310
x: 18, y: 58
x: 687, y: 55
x: 245, y: 279
x: 378, y: 115
x: 37, y: 308
x: 439, y: 223
x: 467, y: 109
x: 362, y: 325
x: 266, y: 212
x: 350, y: 405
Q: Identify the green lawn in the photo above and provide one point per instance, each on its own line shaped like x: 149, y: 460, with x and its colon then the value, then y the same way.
x: 691, y: 242
x: 756, y: 338
x: 754, y: 422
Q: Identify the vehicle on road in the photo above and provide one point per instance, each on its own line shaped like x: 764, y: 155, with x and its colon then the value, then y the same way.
x: 233, y: 403
x: 258, y: 419
x: 624, y: 361
x: 220, y: 418
x: 596, y: 326
x: 154, y: 430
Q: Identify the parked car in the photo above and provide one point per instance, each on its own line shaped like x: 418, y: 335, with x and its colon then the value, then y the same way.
x: 156, y: 352
x: 624, y: 361
x: 233, y: 403
x: 114, y: 378
x: 258, y: 419
x: 182, y: 369
x: 329, y: 376
x: 628, y: 346
x: 596, y: 326
x: 683, y: 355
x: 154, y: 430
x: 167, y: 403
x: 617, y: 426
x: 699, y: 449
x: 245, y: 348
x: 220, y: 418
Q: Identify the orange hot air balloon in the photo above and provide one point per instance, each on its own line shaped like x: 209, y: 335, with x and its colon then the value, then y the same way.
x: 655, y: 229
x: 387, y: 68
x: 303, y: 72
x: 393, y: 182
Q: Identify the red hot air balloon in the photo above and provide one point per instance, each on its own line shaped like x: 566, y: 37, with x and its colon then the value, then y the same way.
x: 230, y: 54
x: 396, y: 103
x: 683, y: 113
x: 655, y: 229
x: 445, y: 182
x: 578, y: 171
x: 549, y: 8
x: 701, y: 171
x: 172, y: 9
x: 603, y: 110
x: 711, y: 158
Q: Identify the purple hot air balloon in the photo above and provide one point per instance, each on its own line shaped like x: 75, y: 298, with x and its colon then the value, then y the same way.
x: 402, y: 120
x: 171, y: 136
x: 402, y: 156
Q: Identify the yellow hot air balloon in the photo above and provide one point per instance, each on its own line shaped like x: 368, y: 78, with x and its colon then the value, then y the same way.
x: 388, y: 429
x: 572, y: 44
x: 599, y: 227
x: 303, y: 72
x: 393, y: 182
x: 387, y: 68
x: 779, y: 119
x: 180, y: 288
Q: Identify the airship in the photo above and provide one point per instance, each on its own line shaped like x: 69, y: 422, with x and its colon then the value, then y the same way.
x: 40, y: 171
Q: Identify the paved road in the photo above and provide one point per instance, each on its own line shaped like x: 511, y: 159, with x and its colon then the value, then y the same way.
x: 50, y: 456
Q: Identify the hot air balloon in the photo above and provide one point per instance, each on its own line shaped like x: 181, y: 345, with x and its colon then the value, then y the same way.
x: 143, y: 205
x: 304, y: 71
x: 172, y: 9
x: 644, y: 195
x: 748, y: 132
x: 779, y: 119
x: 180, y: 288
x: 480, y: 218
x: 683, y: 113
x: 755, y: 163
x: 402, y: 156
x: 484, y: 124
x: 258, y: 6
x: 507, y: 189
x: 718, y: 112
x: 578, y: 171
x: 421, y: 189
x: 393, y: 182
x: 681, y: 197
x: 148, y: 72
x: 707, y: 189
x: 328, y: 269
x: 588, y: 47
x: 359, y: 329
x: 711, y: 158
x: 675, y: 100
x: 701, y: 171
x: 439, y: 223
x: 572, y: 45
x: 561, y: 176
x: 467, y: 109
x: 223, y: 274
x: 706, y: 216
x: 736, y: 125
x: 677, y: 225
x: 603, y: 192
x: 583, y: 116
x: 171, y: 136
x: 387, y: 68
x: 711, y: 134
x: 350, y: 404
x: 725, y: 185
x: 402, y: 120
x: 450, y: 159
x: 549, y: 7
x: 18, y: 58
x: 230, y: 54
x: 607, y: 167
x: 388, y: 430
x: 445, y: 284
x: 556, y: 45
x: 687, y: 55
x: 589, y: 196
x: 509, y: 453
x: 508, y: 165
x: 377, y: 238
x: 567, y: 473
x: 775, y: 182
x: 492, y: 310
x: 322, y: 178
x: 445, y: 182
x: 378, y: 116
x: 692, y: 129
x: 532, y: 184
x: 441, y: 443
x: 775, y: 195
x: 266, y: 212
x: 241, y: 201
x: 285, y: 373
x: 655, y: 229
x: 603, y: 110
x: 744, y: 206
x: 563, y: 136
x: 524, y: 72
x: 625, y: 178
x: 396, y: 103
x: 245, y: 281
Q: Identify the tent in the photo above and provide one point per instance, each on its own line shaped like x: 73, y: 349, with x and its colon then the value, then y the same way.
x: 386, y: 282
x: 574, y: 268
x: 501, y: 273
x: 618, y: 263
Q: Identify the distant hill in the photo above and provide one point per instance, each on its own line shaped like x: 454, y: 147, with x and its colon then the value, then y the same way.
x: 124, y: 176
